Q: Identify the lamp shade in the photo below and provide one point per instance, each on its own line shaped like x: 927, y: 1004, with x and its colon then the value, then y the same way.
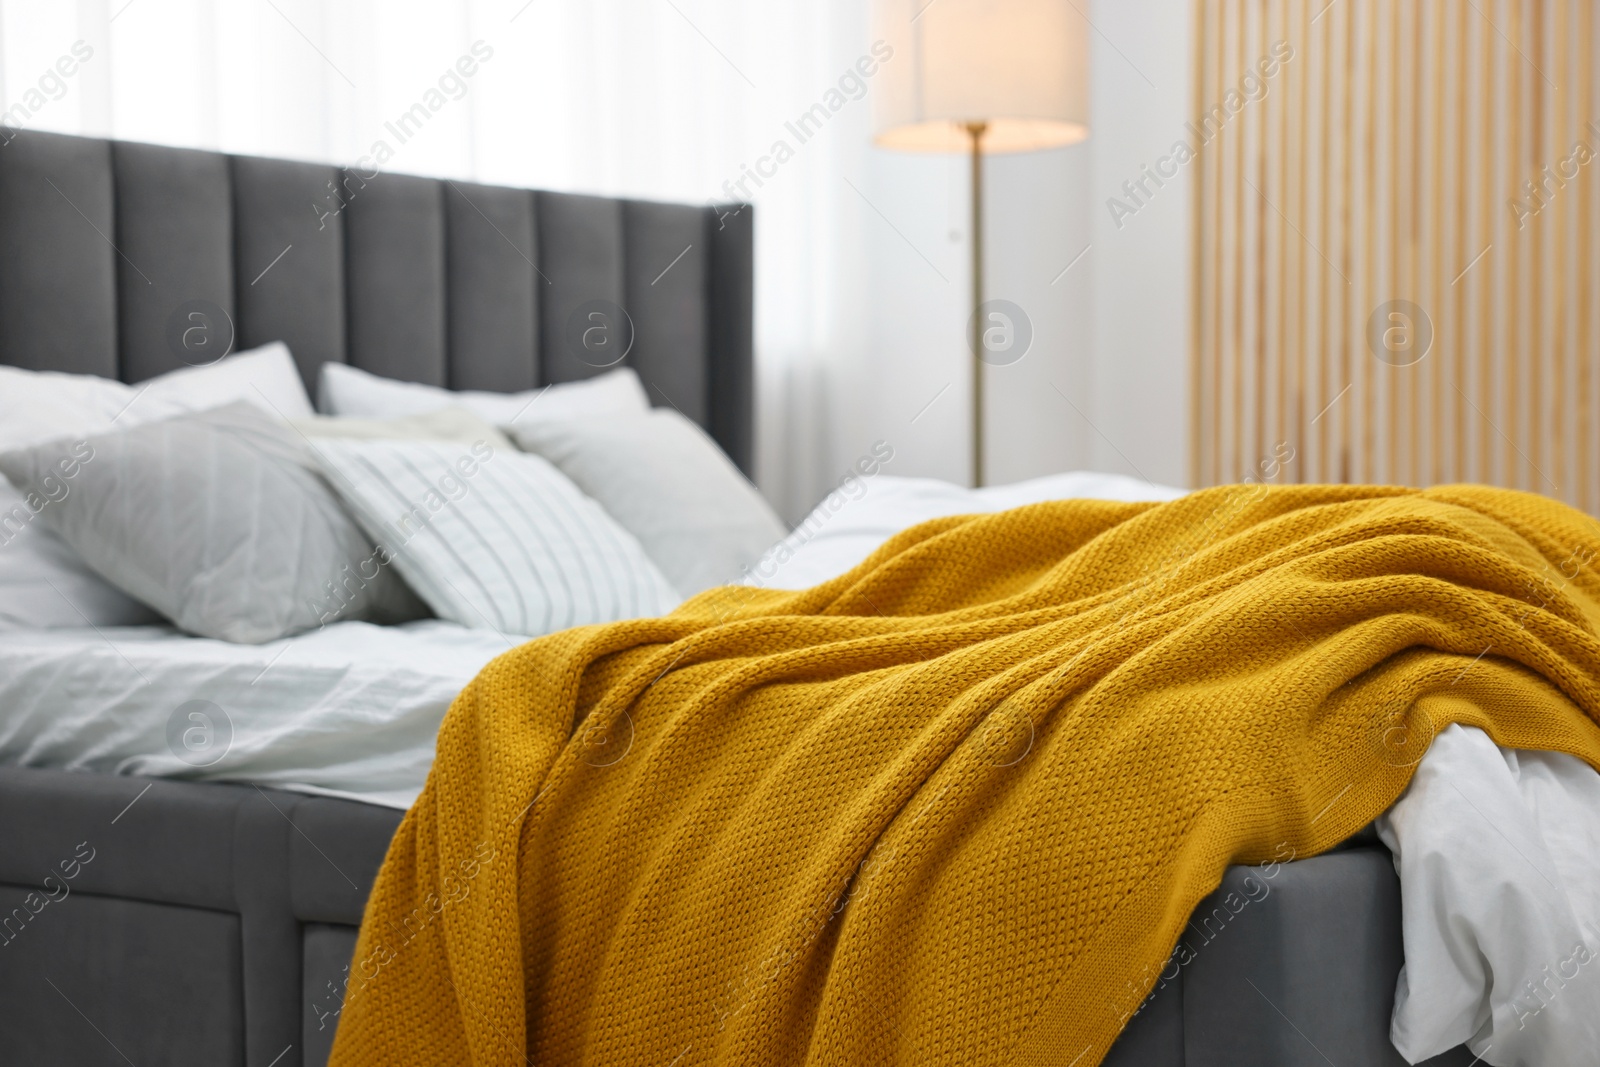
x: 1020, y: 66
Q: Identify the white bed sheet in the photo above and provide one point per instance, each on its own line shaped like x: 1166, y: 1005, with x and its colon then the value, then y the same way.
x: 349, y: 711
x: 1499, y: 859
x: 862, y: 514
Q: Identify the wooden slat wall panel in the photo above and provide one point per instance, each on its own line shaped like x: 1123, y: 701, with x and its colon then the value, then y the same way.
x: 1399, y: 155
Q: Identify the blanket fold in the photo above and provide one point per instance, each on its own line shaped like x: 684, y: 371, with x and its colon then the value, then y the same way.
x: 955, y: 805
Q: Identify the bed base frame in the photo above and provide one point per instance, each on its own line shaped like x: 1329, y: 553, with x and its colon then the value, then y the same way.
x: 212, y: 925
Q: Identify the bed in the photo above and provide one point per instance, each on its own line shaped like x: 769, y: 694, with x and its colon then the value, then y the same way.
x: 211, y: 921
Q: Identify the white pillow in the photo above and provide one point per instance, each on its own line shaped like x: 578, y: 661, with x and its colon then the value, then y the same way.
x: 493, y: 539
x: 265, y: 376
x: 44, y: 584
x: 869, y: 508
x: 670, y: 486
x: 38, y: 406
x: 346, y: 390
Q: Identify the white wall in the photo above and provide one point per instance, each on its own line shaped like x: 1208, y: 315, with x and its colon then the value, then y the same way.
x: 1142, y: 86
x: 1039, y: 222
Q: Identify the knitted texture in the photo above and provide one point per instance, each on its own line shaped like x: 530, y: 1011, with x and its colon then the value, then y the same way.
x: 955, y: 806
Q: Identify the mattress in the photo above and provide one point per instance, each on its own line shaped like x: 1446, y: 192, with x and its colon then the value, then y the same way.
x: 348, y: 711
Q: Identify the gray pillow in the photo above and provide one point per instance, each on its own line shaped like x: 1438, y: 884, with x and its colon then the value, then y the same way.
x: 221, y: 521
x: 669, y: 485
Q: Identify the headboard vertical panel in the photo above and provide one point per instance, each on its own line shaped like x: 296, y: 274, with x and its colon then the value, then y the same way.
x: 455, y: 284
x: 395, y: 277
x: 580, y: 251
x: 174, y: 211
x: 730, y: 232
x: 289, y: 260
x: 58, y: 275
x: 665, y: 275
x: 491, y: 245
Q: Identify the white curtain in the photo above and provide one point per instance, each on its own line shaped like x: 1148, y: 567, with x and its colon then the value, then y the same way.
x: 665, y: 99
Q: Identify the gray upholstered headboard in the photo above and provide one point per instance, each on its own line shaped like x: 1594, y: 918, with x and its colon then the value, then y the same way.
x: 103, y: 244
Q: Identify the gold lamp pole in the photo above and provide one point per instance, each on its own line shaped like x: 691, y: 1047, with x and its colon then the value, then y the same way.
x: 975, y: 132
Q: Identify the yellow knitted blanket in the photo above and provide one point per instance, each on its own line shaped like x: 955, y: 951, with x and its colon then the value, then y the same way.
x: 956, y: 805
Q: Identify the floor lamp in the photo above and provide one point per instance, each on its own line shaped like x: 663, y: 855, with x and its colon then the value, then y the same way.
x: 980, y: 76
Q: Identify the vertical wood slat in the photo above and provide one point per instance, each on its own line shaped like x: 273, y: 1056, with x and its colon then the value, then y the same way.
x: 1327, y: 274
x: 1210, y: 206
x: 1535, y: 355
x: 1286, y: 276
x: 1464, y: 248
x: 1369, y: 407
x: 1400, y: 155
x: 1347, y: 335
x: 1260, y: 238
x: 1236, y: 349
x: 1402, y: 191
x: 1212, y: 162
x: 1481, y: 283
x: 1322, y: 327
x: 1274, y: 134
x: 1514, y: 162
x: 1379, y: 103
x: 1446, y: 340
x: 1414, y: 156
x: 1586, y: 353
x: 1294, y: 371
x: 1557, y: 313
x: 1204, y: 302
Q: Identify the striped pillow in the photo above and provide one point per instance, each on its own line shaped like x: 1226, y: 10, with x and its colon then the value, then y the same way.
x: 493, y: 539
